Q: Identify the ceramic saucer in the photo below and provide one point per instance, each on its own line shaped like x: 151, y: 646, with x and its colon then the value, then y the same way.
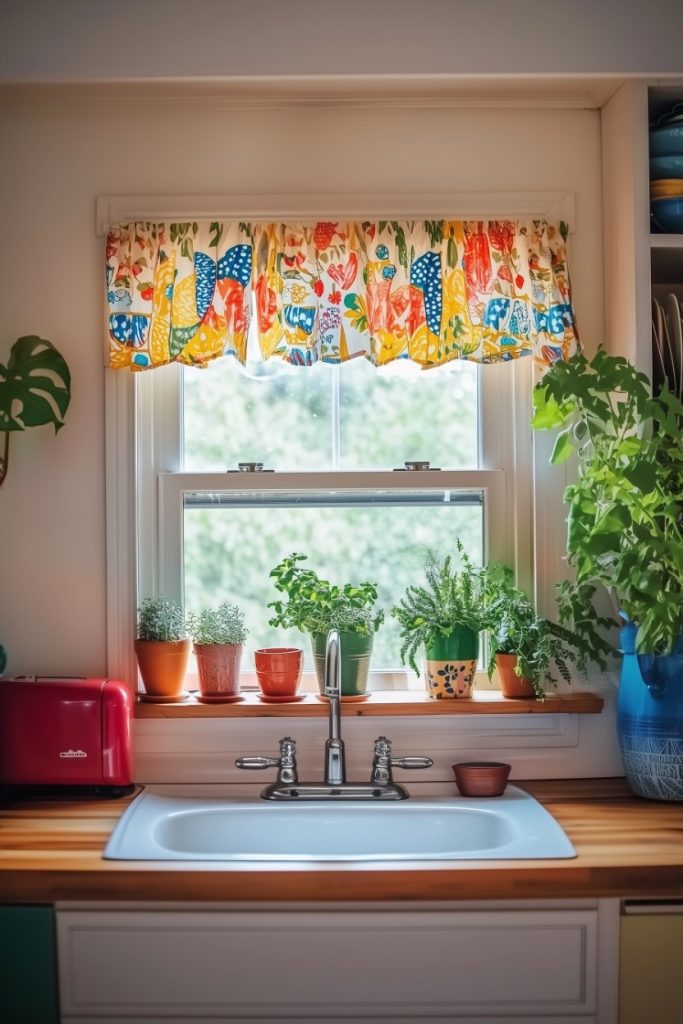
x: 219, y: 698
x: 153, y: 698
x: 288, y: 699
x: 355, y: 698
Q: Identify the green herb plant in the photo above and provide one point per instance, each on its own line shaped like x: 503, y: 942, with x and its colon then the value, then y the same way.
x: 314, y: 605
x: 515, y: 627
x: 452, y: 595
x: 161, y: 619
x: 625, y: 521
x: 221, y: 625
x: 35, y: 388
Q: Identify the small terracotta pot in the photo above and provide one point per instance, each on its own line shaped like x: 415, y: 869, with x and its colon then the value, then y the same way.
x: 278, y: 670
x: 481, y: 778
x: 218, y: 666
x: 162, y: 665
x: 512, y: 685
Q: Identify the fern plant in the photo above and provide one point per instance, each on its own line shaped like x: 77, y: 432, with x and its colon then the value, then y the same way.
x: 161, y: 619
x: 314, y: 605
x: 452, y: 596
x: 221, y: 625
x: 515, y: 627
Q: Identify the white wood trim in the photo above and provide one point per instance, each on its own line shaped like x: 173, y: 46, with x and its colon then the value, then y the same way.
x: 111, y: 210
x: 120, y: 526
x: 537, y: 746
x: 626, y: 224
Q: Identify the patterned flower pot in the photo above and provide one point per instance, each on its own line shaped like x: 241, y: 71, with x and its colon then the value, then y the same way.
x: 650, y: 719
x: 512, y: 685
x: 218, y: 666
x: 450, y: 664
x: 356, y: 651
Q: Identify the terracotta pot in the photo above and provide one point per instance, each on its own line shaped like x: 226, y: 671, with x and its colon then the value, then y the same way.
x: 163, y: 664
x: 512, y: 685
x: 278, y: 670
x: 218, y: 666
x: 450, y: 664
x: 481, y: 778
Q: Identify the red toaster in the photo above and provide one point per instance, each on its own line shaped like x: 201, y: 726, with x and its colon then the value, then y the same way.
x: 65, y: 732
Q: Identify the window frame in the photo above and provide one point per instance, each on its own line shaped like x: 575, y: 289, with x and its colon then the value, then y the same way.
x: 144, y: 426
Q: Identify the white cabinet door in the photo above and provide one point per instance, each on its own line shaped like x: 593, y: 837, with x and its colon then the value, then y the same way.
x: 493, y: 965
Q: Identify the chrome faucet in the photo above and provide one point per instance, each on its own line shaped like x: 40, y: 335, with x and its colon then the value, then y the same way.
x: 334, y: 787
x: 285, y: 763
x: 335, y: 768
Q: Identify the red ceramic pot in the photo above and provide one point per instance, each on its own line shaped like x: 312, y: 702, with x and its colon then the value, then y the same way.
x: 278, y: 670
x: 481, y: 778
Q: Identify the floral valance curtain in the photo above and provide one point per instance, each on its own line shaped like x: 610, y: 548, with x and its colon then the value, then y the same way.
x: 429, y: 291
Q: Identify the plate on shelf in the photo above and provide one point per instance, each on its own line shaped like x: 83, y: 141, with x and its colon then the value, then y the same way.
x: 658, y: 372
x: 667, y: 352
x: 673, y: 320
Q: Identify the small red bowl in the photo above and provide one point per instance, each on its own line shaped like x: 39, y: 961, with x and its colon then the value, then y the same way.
x: 481, y: 778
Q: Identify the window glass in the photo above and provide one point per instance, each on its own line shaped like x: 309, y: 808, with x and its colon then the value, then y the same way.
x: 351, y: 416
x: 230, y: 549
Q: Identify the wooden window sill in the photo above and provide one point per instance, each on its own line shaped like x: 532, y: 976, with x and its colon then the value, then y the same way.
x: 392, y: 702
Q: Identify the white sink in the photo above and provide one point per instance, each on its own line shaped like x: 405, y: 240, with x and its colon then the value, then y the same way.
x: 163, y: 824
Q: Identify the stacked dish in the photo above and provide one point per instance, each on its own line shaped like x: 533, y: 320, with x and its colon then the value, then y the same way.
x: 667, y: 345
x: 666, y: 172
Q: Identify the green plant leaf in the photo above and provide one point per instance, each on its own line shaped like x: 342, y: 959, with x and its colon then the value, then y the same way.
x: 35, y: 386
x: 564, y: 446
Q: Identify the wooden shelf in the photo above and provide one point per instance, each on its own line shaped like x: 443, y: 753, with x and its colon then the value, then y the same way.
x: 390, y: 702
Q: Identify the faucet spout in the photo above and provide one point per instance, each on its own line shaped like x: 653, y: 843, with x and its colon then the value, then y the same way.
x: 335, y: 768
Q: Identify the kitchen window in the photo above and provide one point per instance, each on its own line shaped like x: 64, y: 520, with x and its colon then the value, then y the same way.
x: 334, y: 441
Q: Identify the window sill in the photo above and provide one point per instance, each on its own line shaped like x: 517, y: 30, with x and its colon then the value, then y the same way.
x: 387, y: 703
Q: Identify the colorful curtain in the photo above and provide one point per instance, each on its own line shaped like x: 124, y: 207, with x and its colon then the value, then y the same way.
x: 429, y: 291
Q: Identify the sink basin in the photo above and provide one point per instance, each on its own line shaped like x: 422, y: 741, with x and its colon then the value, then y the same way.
x: 163, y: 824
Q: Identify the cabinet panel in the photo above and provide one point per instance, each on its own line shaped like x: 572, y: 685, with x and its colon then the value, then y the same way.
x: 28, y: 973
x: 650, y: 973
x: 318, y: 965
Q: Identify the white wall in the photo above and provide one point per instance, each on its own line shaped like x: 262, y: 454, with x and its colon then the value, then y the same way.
x: 89, y: 39
x: 56, y: 161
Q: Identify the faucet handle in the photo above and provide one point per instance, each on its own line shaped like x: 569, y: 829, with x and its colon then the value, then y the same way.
x: 383, y: 762
x: 285, y: 763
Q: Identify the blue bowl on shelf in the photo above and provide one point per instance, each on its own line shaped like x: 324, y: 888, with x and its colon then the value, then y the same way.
x: 666, y: 167
x: 667, y: 214
x: 666, y: 141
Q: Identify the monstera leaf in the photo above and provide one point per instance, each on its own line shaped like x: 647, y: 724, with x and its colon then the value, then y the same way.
x: 35, y: 388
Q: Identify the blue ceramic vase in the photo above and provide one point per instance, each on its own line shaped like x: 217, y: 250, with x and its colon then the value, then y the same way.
x: 650, y: 719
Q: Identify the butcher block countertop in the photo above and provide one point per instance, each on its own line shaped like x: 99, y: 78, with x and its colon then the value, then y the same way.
x: 52, y: 850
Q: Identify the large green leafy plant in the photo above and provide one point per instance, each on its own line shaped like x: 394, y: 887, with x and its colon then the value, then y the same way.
x: 35, y: 388
x: 314, y: 605
x: 453, y: 595
x: 625, y: 521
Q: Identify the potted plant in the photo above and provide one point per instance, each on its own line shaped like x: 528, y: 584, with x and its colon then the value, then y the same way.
x: 523, y: 645
x: 162, y: 648
x: 625, y: 533
x: 315, y: 606
x: 218, y: 636
x: 444, y: 617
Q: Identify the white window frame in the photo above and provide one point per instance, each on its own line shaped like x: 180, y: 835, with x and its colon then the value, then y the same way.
x: 144, y: 482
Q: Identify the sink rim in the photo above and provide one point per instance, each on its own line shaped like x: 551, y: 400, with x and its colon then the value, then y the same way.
x: 520, y: 812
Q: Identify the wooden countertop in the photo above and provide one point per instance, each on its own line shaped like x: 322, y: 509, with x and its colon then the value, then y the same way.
x: 52, y: 850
